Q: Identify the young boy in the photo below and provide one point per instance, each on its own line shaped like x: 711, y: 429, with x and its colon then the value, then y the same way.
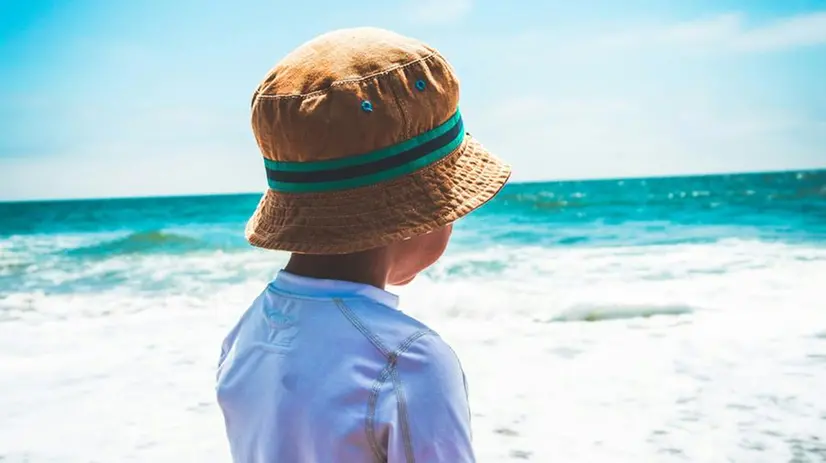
x: 368, y: 165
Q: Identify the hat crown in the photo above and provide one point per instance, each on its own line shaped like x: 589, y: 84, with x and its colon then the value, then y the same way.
x: 349, y: 93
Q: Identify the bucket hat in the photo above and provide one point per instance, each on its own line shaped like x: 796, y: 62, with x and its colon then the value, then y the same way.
x: 363, y: 145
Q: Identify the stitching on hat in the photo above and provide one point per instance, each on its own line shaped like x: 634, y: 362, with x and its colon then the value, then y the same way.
x: 402, y: 112
x: 358, y: 80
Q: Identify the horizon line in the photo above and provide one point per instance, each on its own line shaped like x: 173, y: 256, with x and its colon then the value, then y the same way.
x: 523, y: 182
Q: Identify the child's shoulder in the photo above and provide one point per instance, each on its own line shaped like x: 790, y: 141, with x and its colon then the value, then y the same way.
x: 402, y: 335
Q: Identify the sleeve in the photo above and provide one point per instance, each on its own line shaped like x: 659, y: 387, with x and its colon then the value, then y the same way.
x: 431, y: 416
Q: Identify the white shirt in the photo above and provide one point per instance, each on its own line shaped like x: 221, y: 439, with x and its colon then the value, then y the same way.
x: 320, y: 371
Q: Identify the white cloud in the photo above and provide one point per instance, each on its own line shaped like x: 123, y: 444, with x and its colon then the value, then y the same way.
x: 796, y: 31
x: 437, y: 11
x: 729, y: 33
x: 722, y: 33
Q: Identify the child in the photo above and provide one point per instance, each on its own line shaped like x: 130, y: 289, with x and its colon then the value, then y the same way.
x: 368, y: 165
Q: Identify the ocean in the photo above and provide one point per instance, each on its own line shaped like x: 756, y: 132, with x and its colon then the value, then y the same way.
x: 656, y: 320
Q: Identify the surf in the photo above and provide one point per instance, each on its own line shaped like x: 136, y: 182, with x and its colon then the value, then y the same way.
x: 142, y: 242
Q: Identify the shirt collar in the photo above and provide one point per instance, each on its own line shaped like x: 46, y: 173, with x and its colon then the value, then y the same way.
x: 316, y: 287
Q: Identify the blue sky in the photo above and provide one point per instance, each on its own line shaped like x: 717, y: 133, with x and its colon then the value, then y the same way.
x: 103, y: 98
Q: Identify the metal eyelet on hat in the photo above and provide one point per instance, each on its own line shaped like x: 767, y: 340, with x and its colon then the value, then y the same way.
x: 366, y: 106
x: 420, y: 85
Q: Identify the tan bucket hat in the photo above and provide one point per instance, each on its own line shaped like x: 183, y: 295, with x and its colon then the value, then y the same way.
x: 364, y: 145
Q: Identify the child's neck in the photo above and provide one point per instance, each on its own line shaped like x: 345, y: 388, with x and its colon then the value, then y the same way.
x: 368, y: 267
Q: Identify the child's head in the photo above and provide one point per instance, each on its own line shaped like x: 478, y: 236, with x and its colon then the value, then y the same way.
x: 364, y: 148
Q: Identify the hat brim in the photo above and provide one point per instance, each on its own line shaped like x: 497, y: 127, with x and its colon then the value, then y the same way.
x: 359, y: 219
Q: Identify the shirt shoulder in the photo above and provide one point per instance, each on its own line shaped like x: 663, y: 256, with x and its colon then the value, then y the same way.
x: 387, y: 328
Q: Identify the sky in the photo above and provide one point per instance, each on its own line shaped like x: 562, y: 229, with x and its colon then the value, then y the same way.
x: 105, y: 99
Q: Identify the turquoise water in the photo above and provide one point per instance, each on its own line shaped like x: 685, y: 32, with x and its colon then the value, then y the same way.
x: 774, y: 207
x: 691, y: 307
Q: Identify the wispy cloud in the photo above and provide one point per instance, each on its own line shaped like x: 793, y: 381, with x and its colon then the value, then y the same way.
x: 437, y: 11
x: 728, y: 33
x: 792, y: 32
x: 722, y: 33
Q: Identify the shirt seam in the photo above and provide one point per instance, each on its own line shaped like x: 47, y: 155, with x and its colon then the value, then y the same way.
x: 369, y: 428
x: 391, y: 370
x: 370, y: 417
x: 404, y: 423
x: 357, y: 323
